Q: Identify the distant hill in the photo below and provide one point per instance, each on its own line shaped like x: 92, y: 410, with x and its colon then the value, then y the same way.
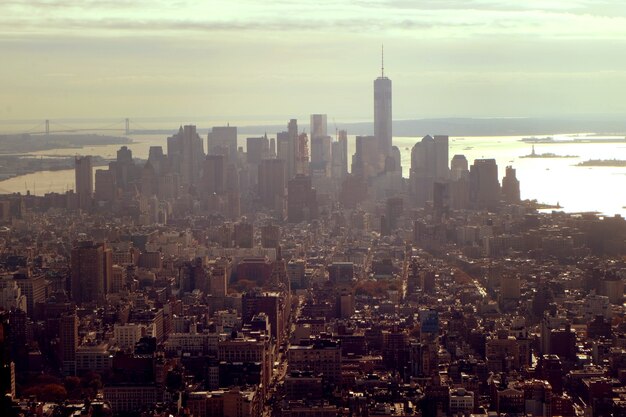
x: 470, y: 127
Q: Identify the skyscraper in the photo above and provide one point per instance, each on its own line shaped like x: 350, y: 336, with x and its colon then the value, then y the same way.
x: 222, y: 140
x: 510, y: 186
x: 186, y: 154
x: 91, y: 270
x: 288, y: 146
x: 382, y: 112
x: 272, y: 184
x: 339, y: 155
x: 484, y: 184
x: 83, y: 171
x: 214, y: 174
x: 319, y: 127
x: 429, y: 163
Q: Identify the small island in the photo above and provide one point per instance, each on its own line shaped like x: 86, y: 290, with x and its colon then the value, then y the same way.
x: 603, y: 163
x: 542, y: 206
x: 533, y: 154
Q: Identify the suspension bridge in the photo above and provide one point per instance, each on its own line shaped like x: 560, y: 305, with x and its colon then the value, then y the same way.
x: 48, y: 127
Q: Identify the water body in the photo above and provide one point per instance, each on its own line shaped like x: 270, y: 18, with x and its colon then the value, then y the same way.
x: 577, y: 189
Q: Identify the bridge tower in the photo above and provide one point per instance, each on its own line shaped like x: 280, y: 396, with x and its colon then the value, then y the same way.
x: 127, y: 126
x: 47, y: 127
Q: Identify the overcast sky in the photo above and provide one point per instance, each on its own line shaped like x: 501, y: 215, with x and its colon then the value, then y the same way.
x: 271, y: 60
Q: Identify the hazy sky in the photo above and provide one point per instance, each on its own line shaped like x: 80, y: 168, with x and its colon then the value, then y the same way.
x: 271, y: 60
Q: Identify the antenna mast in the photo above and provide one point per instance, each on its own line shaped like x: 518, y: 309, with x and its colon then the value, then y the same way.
x: 382, y: 61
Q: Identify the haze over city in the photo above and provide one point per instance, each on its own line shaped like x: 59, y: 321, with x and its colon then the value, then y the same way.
x: 259, y: 61
x: 312, y: 209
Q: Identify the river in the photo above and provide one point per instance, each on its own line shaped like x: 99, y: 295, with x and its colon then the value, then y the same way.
x: 576, y: 189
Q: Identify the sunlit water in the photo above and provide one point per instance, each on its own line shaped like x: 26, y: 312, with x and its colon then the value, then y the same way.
x: 577, y: 189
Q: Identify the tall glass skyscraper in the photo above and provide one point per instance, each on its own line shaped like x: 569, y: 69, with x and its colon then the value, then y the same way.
x: 382, y: 112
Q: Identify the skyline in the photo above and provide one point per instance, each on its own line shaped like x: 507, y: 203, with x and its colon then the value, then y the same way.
x: 254, y: 61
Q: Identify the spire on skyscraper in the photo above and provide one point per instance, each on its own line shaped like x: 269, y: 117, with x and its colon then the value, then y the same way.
x: 382, y: 60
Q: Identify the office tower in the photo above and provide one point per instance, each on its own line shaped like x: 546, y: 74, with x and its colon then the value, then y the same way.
x: 272, y: 184
x: 83, y: 172
x: 341, y: 273
x: 33, y: 287
x: 484, y: 184
x: 270, y: 236
x: 287, y: 146
x: 510, y: 186
x: 458, y: 167
x: 186, y: 153
x: 367, y: 161
x: 68, y: 342
x: 270, y: 303
x: 218, y: 277
x: 321, y: 155
x: 459, y: 183
x: 214, y: 174
x: 429, y: 163
x: 232, y: 191
x: 302, y: 154
x: 244, y: 234
x: 106, y: 185
x: 222, y: 140
x: 272, y: 148
x: 91, y: 270
x: 301, y: 200
x: 339, y: 155
x: 319, y: 127
x: 393, y: 163
x: 149, y: 180
x: 394, y: 210
x: 124, y: 168
x: 442, y: 171
x: 382, y: 112
x: 157, y: 159
x: 257, y: 149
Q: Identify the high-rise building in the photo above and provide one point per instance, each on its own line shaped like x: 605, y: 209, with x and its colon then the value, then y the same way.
x: 244, y: 234
x: 510, y: 186
x: 484, y: 184
x: 272, y: 184
x: 106, y: 185
x: 302, y: 154
x: 429, y: 163
x: 367, y: 161
x: 459, y: 183
x: 33, y: 287
x: 292, y: 147
x: 91, y: 271
x: 83, y: 171
x: 339, y: 155
x: 270, y: 236
x: 68, y: 341
x: 321, y: 155
x: 301, y: 200
x: 382, y: 112
x: 257, y: 148
x: 319, y: 127
x: 213, y: 174
x: 222, y: 140
x: 458, y: 167
x: 186, y: 153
